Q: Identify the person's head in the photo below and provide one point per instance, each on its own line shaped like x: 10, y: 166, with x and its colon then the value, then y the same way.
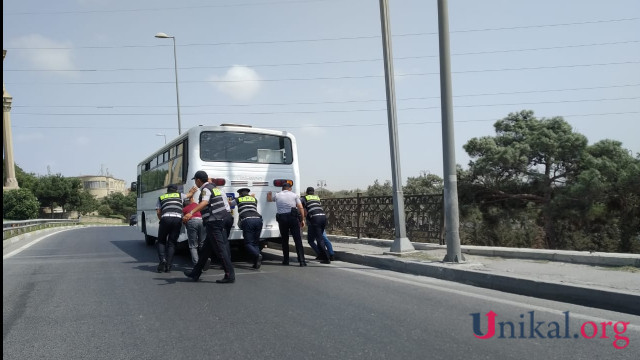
x: 244, y: 191
x: 286, y: 186
x: 311, y: 191
x: 172, y: 188
x: 200, y: 177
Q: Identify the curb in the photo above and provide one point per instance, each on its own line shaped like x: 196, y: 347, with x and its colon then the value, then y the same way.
x: 573, y: 257
x: 592, y: 297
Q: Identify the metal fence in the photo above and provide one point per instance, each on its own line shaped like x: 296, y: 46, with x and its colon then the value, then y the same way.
x: 13, y: 228
x: 372, y: 217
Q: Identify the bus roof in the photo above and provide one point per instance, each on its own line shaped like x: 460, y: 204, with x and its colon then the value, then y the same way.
x: 221, y: 127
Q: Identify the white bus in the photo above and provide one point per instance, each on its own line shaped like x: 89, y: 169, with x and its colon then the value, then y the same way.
x: 234, y: 156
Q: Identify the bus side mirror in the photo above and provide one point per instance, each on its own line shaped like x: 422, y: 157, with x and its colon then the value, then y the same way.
x: 134, y: 186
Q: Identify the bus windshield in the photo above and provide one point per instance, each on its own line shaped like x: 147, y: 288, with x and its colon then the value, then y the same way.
x: 245, y: 148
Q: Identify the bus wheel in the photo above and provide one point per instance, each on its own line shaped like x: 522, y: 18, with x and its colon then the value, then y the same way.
x: 150, y: 240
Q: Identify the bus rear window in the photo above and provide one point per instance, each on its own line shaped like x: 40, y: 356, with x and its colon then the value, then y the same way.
x: 245, y: 148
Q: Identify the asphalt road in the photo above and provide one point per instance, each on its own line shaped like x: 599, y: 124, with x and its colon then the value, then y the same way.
x: 93, y: 293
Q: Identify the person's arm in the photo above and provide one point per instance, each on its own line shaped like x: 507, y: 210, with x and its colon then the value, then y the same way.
x: 192, y: 191
x: 201, y: 205
x: 301, y: 209
x: 270, y: 197
x: 303, y: 212
x: 159, y: 213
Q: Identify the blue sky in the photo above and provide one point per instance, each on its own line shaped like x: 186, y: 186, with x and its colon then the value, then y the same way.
x: 92, y: 86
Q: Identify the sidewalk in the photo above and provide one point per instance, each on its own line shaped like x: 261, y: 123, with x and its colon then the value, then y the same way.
x: 581, y: 278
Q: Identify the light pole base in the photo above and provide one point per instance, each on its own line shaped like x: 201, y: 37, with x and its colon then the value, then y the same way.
x: 10, y: 184
x: 454, y: 258
x: 401, y: 245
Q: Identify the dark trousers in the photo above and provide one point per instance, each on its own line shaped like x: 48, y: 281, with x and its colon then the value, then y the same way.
x: 316, y: 225
x: 168, y: 234
x: 251, y: 229
x: 228, y: 224
x: 289, y: 224
x: 215, y: 243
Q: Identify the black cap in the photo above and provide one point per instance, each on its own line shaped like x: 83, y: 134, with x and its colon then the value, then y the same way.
x: 310, y: 190
x: 201, y: 175
x: 240, y: 191
x: 172, y: 187
x: 286, y: 185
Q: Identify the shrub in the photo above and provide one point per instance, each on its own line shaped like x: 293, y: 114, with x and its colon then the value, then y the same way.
x: 105, y: 210
x: 20, y: 204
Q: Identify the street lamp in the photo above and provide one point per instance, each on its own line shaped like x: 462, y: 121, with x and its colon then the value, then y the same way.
x: 321, y: 185
x: 163, y: 135
x: 161, y: 35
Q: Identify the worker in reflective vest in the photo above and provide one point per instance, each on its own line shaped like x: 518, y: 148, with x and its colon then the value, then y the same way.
x: 316, y: 220
x: 169, y: 211
x: 213, y: 210
x: 250, y: 222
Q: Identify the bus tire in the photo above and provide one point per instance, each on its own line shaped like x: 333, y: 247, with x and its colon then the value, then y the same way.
x: 148, y: 239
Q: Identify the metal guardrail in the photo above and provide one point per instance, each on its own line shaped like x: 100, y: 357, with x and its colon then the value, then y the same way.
x: 13, y: 228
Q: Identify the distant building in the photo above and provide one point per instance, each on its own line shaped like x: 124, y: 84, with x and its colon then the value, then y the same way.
x: 101, y: 186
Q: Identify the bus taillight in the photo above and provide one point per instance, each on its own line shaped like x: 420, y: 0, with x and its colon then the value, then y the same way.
x: 218, y: 181
x: 280, y: 182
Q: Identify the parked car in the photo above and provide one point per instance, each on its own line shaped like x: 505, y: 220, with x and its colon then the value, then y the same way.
x: 133, y: 220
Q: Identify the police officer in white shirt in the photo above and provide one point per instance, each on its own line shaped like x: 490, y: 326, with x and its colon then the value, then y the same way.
x: 290, y: 221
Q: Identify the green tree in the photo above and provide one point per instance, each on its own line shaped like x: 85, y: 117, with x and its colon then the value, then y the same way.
x: 424, y: 184
x: 19, y: 204
x: 379, y: 190
x: 84, y: 203
x: 603, y: 201
x: 121, y: 204
x: 53, y: 191
x: 528, y: 160
x: 346, y: 193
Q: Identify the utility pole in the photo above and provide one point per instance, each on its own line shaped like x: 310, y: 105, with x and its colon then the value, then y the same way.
x: 452, y: 222
x: 401, y: 242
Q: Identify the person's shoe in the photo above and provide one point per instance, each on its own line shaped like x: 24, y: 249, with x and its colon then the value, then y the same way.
x: 167, y: 268
x: 226, y: 280
x: 331, y: 258
x: 318, y: 258
x: 303, y: 263
x: 325, y: 262
x: 285, y: 263
x: 190, y: 275
x: 161, y: 266
x: 258, y: 262
x: 207, y: 265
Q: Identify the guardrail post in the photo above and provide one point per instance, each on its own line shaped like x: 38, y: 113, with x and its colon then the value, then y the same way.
x: 358, y: 209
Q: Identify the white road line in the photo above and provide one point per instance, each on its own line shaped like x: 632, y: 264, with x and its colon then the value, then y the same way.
x: 26, y: 246
x: 35, y: 241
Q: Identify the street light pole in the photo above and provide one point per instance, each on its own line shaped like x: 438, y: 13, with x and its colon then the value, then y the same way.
x: 451, y: 214
x: 175, y: 64
x: 401, y: 242
x: 165, y: 137
x: 321, y: 185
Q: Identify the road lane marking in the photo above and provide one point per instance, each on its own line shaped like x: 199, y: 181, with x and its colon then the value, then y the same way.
x: 26, y: 246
